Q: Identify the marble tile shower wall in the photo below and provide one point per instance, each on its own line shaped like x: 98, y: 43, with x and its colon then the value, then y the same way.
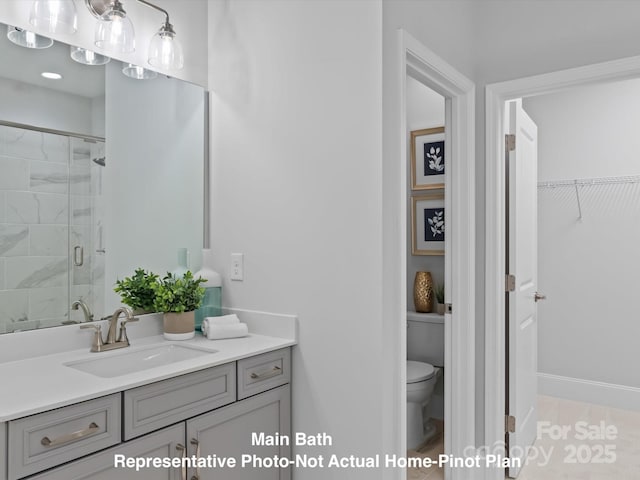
x: 49, y: 200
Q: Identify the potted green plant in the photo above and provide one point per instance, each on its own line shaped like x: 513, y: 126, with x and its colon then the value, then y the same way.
x: 178, y: 297
x: 439, y: 292
x: 138, y: 291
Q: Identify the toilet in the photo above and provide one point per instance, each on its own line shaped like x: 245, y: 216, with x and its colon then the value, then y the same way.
x: 425, y: 352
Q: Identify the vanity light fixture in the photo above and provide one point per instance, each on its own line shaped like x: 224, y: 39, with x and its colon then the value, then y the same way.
x: 115, y: 33
x: 27, y: 39
x: 54, y: 16
x: 114, y: 30
x: 87, y: 57
x: 139, y: 73
x: 51, y: 75
x: 165, y: 50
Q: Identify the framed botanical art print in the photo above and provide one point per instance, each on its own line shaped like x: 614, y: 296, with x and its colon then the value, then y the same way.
x: 427, y: 224
x: 428, y: 159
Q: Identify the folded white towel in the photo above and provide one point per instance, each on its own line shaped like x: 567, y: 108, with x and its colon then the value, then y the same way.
x: 223, y: 320
x: 218, y: 332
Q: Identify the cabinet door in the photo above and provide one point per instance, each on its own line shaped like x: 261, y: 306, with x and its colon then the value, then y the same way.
x: 164, y: 444
x: 227, y: 433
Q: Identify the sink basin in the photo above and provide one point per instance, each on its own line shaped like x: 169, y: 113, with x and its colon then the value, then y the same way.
x: 143, y: 358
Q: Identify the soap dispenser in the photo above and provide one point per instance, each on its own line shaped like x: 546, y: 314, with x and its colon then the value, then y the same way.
x: 212, y: 303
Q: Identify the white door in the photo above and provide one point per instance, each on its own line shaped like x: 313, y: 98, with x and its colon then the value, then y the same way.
x: 522, y: 263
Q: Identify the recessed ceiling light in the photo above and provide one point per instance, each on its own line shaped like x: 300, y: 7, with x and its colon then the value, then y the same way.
x: 51, y: 75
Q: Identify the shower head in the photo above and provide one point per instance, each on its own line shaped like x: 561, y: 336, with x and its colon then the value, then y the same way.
x: 100, y: 161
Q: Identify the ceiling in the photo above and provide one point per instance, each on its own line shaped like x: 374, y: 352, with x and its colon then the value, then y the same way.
x: 26, y: 65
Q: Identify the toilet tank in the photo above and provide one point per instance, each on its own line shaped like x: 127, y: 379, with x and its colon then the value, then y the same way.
x: 425, y: 338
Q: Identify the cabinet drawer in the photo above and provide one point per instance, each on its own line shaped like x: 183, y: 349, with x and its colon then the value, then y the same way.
x: 263, y: 372
x: 160, y: 404
x: 48, y: 439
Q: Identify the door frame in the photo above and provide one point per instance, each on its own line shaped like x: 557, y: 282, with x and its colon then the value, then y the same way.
x: 459, y: 92
x: 494, y: 344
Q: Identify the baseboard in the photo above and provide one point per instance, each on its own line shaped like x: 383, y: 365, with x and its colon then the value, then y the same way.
x: 600, y: 393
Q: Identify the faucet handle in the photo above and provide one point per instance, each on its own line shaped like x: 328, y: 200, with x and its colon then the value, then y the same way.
x: 97, y: 344
x: 122, y: 337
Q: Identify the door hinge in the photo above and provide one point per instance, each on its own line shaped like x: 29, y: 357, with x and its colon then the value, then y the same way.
x: 510, y: 142
x: 448, y: 308
x: 510, y: 283
x: 509, y: 424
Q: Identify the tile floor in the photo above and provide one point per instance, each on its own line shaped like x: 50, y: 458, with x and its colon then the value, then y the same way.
x: 575, y: 458
x: 431, y: 449
x: 569, y: 457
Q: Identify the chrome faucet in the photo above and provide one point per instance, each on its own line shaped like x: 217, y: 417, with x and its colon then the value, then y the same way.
x: 111, y: 343
x: 88, y: 316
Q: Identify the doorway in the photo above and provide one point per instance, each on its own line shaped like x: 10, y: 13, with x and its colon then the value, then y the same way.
x: 423, y: 65
x: 495, y: 356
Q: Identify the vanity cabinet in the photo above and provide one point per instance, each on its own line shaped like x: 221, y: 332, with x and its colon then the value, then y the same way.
x: 195, y: 414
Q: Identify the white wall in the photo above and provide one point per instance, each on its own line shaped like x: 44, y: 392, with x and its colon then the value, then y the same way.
x: 588, y: 326
x: 296, y: 148
x: 189, y: 19
x: 425, y: 109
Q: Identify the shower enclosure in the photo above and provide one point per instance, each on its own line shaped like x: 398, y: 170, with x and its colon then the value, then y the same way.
x: 52, y: 248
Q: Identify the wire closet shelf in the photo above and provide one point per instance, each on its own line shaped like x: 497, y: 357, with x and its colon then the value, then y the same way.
x: 585, y: 182
x: 588, y: 182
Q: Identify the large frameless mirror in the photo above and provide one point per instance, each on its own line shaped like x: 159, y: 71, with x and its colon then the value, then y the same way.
x: 100, y: 174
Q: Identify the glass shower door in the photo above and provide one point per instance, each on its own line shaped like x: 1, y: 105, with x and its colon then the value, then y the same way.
x: 49, y: 205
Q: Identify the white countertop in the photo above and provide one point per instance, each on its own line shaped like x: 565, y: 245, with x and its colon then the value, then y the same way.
x: 36, y: 384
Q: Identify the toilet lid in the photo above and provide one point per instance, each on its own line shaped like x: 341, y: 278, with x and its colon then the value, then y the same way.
x: 418, y: 371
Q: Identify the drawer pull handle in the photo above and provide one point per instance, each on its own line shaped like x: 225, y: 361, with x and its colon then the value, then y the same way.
x: 183, y: 449
x: 197, y: 445
x: 274, y: 371
x: 70, y: 437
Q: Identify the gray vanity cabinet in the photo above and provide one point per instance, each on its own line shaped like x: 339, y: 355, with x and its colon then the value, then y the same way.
x: 3, y: 451
x: 166, y: 443
x: 227, y: 432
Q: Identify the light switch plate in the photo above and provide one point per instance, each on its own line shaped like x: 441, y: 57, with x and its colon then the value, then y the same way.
x: 237, y: 266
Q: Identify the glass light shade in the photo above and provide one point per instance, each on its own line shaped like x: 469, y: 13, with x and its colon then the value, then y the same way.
x: 139, y: 73
x: 27, y: 39
x: 87, y: 57
x: 165, y: 51
x: 114, y: 33
x: 54, y: 16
